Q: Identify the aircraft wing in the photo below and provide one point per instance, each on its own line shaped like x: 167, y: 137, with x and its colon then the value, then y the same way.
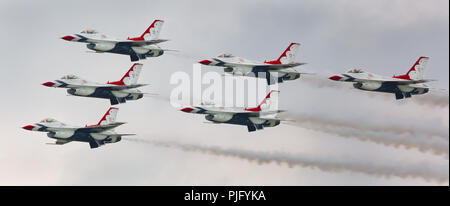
x: 121, y: 135
x: 56, y: 129
x: 142, y: 43
x: 409, y: 82
x: 129, y: 42
x: 395, y: 81
x: 100, y: 128
x: 265, y: 67
x: 264, y: 113
x: 112, y: 86
x: 288, y: 71
x: 245, y: 113
x: 276, y: 67
x: 270, y: 118
x: 117, y: 87
x: 419, y: 86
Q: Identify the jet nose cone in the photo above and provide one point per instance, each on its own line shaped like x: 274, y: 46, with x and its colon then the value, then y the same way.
x: 28, y: 127
x: 205, y: 62
x: 48, y: 84
x: 335, y: 78
x: 68, y: 38
x: 187, y: 109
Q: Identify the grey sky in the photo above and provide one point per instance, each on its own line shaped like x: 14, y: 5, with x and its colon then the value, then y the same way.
x: 383, y: 37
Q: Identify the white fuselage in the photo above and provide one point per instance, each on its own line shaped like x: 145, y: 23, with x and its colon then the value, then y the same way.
x: 61, y: 131
x: 373, y: 82
x: 239, y: 66
x: 84, y: 88
x: 103, y: 43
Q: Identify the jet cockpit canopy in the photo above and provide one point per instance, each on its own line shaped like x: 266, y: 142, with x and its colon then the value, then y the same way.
x: 48, y: 120
x: 69, y: 76
x: 89, y: 31
x: 225, y: 55
x: 355, y: 70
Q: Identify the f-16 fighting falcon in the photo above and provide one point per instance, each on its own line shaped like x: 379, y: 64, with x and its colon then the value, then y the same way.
x: 264, y: 115
x: 96, y: 135
x: 117, y: 92
x: 282, y: 67
x: 403, y: 86
x: 137, y: 48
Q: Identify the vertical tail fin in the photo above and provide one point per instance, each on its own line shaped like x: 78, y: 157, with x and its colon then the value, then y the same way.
x: 265, y: 104
x: 109, y: 117
x: 416, y: 71
x: 288, y: 56
x: 152, y: 31
x: 131, y: 77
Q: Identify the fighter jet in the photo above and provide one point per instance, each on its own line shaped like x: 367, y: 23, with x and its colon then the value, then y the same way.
x: 264, y: 115
x: 137, y: 48
x: 403, y: 86
x: 96, y: 135
x: 117, y: 91
x: 281, y: 69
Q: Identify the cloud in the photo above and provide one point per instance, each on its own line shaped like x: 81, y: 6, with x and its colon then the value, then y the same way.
x: 423, y: 142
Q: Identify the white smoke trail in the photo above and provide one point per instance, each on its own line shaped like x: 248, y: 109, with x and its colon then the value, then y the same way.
x: 320, y: 80
x: 186, y: 55
x: 158, y: 97
x: 434, y: 145
x: 423, y: 170
x: 424, y: 141
x: 412, y: 128
x: 435, y: 97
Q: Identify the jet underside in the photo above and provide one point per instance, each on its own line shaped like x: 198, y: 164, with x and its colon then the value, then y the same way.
x: 253, y: 123
x: 400, y: 90
x: 135, y: 53
x: 259, y: 71
x: 105, y: 93
x: 87, y: 137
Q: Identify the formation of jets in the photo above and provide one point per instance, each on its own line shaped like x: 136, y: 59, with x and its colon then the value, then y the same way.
x: 256, y: 118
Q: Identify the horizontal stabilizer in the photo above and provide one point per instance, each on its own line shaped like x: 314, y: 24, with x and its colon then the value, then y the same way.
x: 101, y: 128
x: 171, y: 50
x: 121, y: 135
x: 419, y: 86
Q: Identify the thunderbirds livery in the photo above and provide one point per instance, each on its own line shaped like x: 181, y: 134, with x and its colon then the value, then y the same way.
x: 264, y: 115
x: 403, y: 86
x: 117, y: 92
x: 137, y: 48
x: 277, y: 70
x: 96, y: 135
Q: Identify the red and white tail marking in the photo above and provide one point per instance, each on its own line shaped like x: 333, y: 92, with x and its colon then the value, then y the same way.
x: 416, y: 71
x: 152, y: 31
x: 288, y: 56
x: 131, y: 77
x: 265, y: 104
x: 109, y: 117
